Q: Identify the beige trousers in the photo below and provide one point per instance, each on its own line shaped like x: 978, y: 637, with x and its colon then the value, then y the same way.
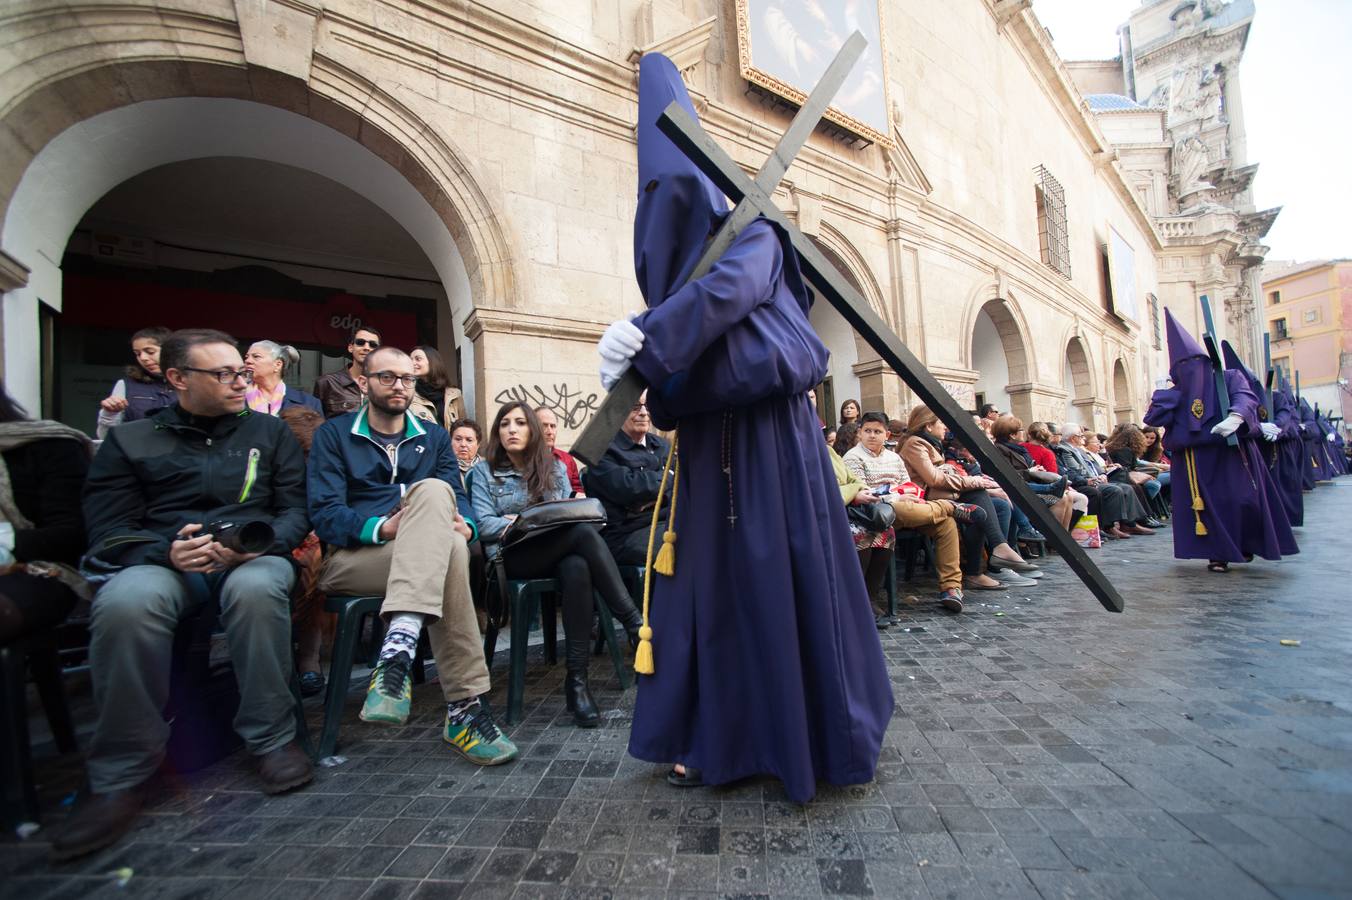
x: 934, y: 518
x: 425, y: 569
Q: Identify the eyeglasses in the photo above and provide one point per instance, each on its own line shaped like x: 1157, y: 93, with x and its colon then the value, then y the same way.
x: 365, y: 342
x: 389, y: 378
x: 638, y: 406
x: 224, y: 376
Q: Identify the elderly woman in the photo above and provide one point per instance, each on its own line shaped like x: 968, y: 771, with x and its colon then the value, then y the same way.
x: 923, y: 453
x: 269, y: 361
x: 1007, y: 432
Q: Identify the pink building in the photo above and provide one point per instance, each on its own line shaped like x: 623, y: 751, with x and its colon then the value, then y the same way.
x: 1308, y: 311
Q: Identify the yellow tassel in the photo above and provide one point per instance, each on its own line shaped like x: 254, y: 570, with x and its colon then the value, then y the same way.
x: 666, y: 557
x: 1197, y: 504
x: 1201, y: 529
x: 643, y: 656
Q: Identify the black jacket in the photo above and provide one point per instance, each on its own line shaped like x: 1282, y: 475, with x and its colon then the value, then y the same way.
x: 47, y: 477
x: 626, y: 480
x: 1071, y: 466
x: 152, y: 477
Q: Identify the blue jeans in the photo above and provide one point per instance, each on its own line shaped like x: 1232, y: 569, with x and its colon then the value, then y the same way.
x: 1152, y: 487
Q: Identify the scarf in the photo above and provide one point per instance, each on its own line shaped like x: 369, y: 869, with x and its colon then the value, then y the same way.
x: 269, y: 403
x: 19, y: 434
x: 1020, y: 450
x: 436, y: 397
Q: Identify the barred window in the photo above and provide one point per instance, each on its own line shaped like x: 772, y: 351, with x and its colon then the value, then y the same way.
x: 1155, y: 318
x: 1052, y: 231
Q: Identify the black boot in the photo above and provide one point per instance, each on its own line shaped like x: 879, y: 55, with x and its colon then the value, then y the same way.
x: 575, y: 693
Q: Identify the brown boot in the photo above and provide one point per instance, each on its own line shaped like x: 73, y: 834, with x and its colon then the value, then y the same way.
x: 284, y: 768
x: 96, y: 821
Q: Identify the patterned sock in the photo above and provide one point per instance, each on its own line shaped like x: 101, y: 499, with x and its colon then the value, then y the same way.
x: 461, y: 710
x: 402, y: 636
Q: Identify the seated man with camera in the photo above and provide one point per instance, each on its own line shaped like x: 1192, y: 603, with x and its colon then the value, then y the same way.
x: 204, y: 499
x: 387, y: 497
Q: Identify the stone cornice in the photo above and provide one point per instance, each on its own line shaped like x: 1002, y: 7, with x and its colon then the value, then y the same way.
x: 498, y: 321
x: 13, y: 274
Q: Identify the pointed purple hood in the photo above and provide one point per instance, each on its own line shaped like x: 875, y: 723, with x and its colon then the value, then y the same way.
x: 678, y: 207
x: 1256, y: 384
x: 1194, y: 379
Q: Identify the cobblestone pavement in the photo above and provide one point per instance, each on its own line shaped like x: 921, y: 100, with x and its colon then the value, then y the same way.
x: 1041, y: 747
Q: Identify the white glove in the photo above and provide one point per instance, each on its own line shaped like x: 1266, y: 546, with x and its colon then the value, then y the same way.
x: 611, y: 372
x: 1270, y: 431
x: 1229, y: 425
x: 617, y: 347
x: 1162, y: 383
x: 1330, y: 437
x: 1302, y: 426
x: 620, y: 342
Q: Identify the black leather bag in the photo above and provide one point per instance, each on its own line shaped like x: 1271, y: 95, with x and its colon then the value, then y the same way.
x: 878, y: 516
x: 533, y: 521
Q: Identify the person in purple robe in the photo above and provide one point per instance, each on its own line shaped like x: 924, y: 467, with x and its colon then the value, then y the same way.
x: 1285, y: 463
x: 765, y: 655
x: 1313, y: 464
x: 1327, y: 439
x: 1224, y: 509
x: 1265, y: 438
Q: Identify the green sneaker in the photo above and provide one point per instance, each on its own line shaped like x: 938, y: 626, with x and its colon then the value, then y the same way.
x: 390, y: 693
x: 477, y: 738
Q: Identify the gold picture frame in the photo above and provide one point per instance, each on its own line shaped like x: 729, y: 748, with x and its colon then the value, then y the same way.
x: 785, y: 52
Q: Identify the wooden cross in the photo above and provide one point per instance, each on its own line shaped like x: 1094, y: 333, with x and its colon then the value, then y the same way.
x: 753, y: 198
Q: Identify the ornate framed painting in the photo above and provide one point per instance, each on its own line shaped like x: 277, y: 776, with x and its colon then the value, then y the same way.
x: 784, y: 47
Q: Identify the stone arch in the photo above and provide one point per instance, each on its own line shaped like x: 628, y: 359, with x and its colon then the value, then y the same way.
x: 467, y: 244
x: 1011, y: 330
x: 1081, y: 395
x: 853, y: 361
x: 1124, y: 408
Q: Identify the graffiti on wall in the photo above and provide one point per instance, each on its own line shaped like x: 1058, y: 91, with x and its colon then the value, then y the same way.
x: 572, y: 407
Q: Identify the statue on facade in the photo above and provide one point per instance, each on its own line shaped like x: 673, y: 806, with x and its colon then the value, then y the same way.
x: 1190, y: 163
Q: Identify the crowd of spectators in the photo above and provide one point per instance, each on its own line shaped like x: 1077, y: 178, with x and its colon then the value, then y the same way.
x: 221, y: 487
x: 915, y: 477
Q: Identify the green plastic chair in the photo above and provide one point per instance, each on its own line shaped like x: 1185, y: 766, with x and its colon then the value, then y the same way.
x: 351, y: 611
x: 522, y: 596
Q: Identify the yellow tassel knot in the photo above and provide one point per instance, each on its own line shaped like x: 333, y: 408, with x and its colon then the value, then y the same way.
x: 1201, y: 529
x: 643, y: 656
x: 666, y: 557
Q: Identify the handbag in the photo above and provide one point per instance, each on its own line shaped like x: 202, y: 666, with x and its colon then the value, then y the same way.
x: 533, y: 521
x: 1140, y: 477
x: 1043, y: 477
x: 871, y: 516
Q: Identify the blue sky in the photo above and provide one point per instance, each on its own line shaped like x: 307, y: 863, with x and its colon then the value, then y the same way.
x: 1295, y: 77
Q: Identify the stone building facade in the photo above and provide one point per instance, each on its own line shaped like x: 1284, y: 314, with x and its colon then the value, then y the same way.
x: 499, y: 137
x: 1172, y: 106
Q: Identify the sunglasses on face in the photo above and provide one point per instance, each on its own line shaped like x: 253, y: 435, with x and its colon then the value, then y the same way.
x: 365, y: 342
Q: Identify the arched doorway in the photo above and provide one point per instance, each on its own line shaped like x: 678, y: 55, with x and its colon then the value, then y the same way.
x: 254, y: 248
x: 1123, y: 406
x: 379, y: 149
x: 855, y: 370
x: 999, y: 356
x: 1078, y: 379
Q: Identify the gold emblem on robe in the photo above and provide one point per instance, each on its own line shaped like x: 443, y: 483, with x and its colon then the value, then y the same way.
x: 1198, y: 408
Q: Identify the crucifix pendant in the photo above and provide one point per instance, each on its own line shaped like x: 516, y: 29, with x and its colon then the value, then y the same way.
x: 732, y: 521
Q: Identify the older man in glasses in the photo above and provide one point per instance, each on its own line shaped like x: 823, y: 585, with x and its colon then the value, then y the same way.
x: 386, y: 494
x: 159, y: 500
x: 626, y: 480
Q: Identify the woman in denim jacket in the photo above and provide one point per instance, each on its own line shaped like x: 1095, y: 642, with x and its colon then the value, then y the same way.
x: 517, y: 471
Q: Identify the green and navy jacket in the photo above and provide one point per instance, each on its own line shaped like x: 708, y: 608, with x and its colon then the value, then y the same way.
x: 354, y: 485
x: 155, y: 475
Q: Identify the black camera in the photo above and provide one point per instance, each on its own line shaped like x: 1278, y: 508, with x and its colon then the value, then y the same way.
x: 249, y: 536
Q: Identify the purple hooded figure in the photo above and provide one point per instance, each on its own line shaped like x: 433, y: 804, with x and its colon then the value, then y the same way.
x: 765, y: 651
x: 1222, y: 512
x: 1332, y: 458
x: 1314, y: 464
x: 1266, y: 438
x: 1286, y: 465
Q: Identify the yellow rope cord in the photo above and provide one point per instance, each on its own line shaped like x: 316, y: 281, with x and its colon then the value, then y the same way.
x: 1197, y: 504
x: 643, y: 656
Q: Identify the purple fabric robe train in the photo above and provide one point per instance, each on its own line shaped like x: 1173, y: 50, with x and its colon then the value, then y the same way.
x: 766, y: 654
x: 1241, y: 514
x: 1286, y: 466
